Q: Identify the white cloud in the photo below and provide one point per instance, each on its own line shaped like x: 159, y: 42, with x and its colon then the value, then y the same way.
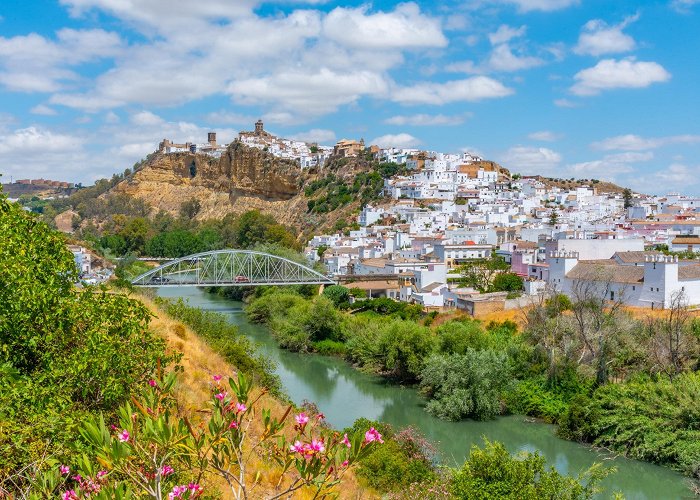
x: 471, y: 89
x: 631, y: 142
x: 318, y: 135
x: 598, y: 38
x: 33, y: 63
x: 545, y: 135
x: 614, y: 74
x: 610, y: 165
x: 309, y: 94
x: 502, y: 58
x: 421, y: 120
x: 542, y: 5
x: 566, y: 103
x: 530, y: 160
x: 684, y: 6
x: 229, y: 118
x: 38, y: 152
x: 402, y: 140
x: 405, y: 27
x: 43, y: 109
x: 505, y: 33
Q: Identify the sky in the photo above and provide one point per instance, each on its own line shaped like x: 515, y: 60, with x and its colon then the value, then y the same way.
x: 563, y: 88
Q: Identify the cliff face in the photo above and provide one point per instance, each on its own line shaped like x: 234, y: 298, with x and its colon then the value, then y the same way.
x: 242, y: 179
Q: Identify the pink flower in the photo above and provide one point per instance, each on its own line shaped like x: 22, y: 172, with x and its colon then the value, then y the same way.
x: 240, y: 407
x: 221, y: 396
x: 233, y: 425
x: 166, y: 470
x: 152, y: 383
x: 302, y: 419
x: 177, y: 492
x: 373, y: 435
x: 318, y: 446
x: 64, y: 469
x: 123, y: 436
x: 69, y: 495
x: 297, y: 447
x: 346, y: 441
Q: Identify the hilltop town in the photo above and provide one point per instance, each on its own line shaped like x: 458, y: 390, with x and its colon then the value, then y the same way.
x: 449, y: 210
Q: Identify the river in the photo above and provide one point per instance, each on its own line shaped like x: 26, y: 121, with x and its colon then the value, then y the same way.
x: 344, y: 394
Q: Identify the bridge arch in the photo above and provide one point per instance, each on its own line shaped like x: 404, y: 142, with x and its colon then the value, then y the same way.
x: 231, y: 268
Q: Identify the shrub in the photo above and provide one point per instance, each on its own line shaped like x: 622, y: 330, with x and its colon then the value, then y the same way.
x: 466, y: 385
x: 404, y: 346
x: 337, y: 294
x: 492, y: 472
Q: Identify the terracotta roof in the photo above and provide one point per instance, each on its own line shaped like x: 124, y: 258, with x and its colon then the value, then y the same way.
x: 691, y: 272
x: 686, y: 240
x: 604, y: 271
x: 633, y: 257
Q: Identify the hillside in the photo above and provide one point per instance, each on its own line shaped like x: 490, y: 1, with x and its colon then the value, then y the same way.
x: 602, y: 187
x: 243, y: 179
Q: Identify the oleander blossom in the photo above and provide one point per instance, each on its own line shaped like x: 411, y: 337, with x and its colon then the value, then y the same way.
x: 346, y: 441
x: 64, y: 469
x: 302, y: 419
x: 373, y: 435
x: 123, y: 436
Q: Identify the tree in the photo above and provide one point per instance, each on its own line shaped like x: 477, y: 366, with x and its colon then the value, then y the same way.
x: 190, y: 208
x: 466, y: 385
x: 627, y: 197
x: 507, y: 282
x: 479, y: 273
x: 491, y: 472
x: 337, y: 293
x: 672, y: 343
x: 553, y: 217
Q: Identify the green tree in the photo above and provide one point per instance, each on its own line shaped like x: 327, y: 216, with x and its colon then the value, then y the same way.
x: 507, y: 282
x: 337, y: 293
x: 627, y: 197
x: 479, y: 273
x: 492, y: 473
x: 554, y: 217
x: 466, y: 385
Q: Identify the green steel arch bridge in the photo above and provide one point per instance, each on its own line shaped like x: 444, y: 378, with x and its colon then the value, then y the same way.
x: 231, y: 268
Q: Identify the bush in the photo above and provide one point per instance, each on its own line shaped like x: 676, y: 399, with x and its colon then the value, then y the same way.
x: 492, y: 472
x: 653, y: 420
x: 406, y: 458
x: 404, y: 346
x: 337, y: 294
x: 466, y: 385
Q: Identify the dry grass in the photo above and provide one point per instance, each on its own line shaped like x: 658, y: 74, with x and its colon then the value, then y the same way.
x: 193, y: 391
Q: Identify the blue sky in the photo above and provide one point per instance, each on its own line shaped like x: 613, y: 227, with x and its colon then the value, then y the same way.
x: 566, y: 88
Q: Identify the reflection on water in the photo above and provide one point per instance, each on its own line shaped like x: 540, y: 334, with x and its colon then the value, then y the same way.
x: 344, y: 395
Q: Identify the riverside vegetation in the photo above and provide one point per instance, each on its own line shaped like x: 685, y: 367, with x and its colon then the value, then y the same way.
x: 89, y: 407
x: 606, y: 378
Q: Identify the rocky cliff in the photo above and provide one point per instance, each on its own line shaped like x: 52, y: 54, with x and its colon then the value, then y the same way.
x: 243, y: 179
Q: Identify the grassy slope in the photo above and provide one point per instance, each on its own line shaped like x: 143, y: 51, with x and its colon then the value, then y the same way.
x: 200, y: 363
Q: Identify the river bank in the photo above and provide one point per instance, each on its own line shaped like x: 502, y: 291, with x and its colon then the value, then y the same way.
x: 344, y: 394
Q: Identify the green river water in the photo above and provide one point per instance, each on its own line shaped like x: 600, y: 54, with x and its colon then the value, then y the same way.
x: 344, y: 394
